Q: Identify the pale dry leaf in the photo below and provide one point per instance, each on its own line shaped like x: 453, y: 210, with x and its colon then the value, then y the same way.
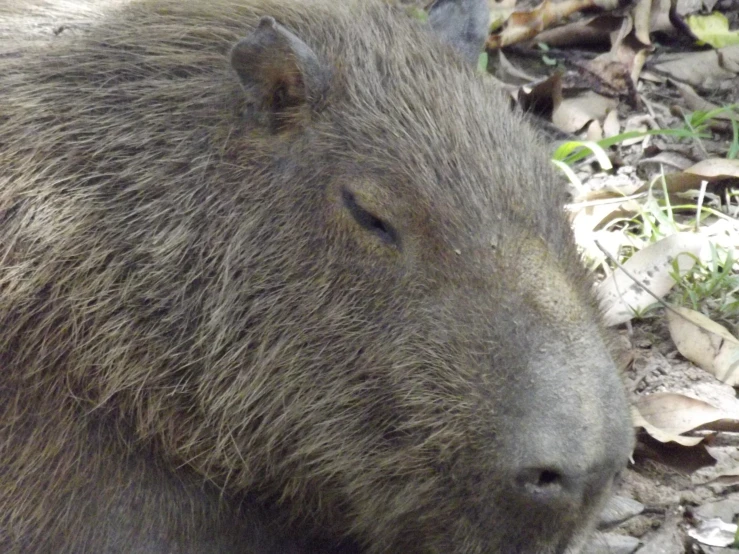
x: 637, y: 122
x: 571, y: 115
x: 642, y: 14
x: 711, y: 170
x: 640, y: 58
x: 594, y: 131
x: 685, y: 7
x: 707, y: 69
x: 611, y: 125
x: 715, y: 168
x: 669, y: 415
x: 729, y: 58
x: 652, y: 77
x: 592, y: 216
x: 707, y: 344
x: 660, y: 434
x: 714, y: 532
x: 728, y: 477
x: 618, y: 35
x: 668, y: 160
x: 621, y: 298
x: 660, y: 17
x: 595, y: 207
x: 610, y: 241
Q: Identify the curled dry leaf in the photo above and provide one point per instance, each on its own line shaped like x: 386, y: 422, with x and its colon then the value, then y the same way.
x: 729, y: 477
x: 611, y: 125
x: 711, y: 170
x: 525, y: 25
x: 584, y: 32
x: 668, y: 160
x: 659, y: 19
x: 666, y: 416
x: 540, y: 97
x: 715, y: 168
x: 641, y: 13
x: 621, y: 298
x: 660, y: 434
x: 707, y: 344
x: 571, y: 115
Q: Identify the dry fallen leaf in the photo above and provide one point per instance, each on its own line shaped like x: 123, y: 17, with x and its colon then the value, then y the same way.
x: 715, y: 167
x: 707, y: 344
x: 729, y: 477
x: 621, y: 298
x: 714, y: 532
x: 572, y: 114
x: 525, y: 25
x: 711, y: 170
x: 707, y: 69
x: 611, y: 125
x: 660, y: 17
x: 593, y: 30
x: 666, y: 416
x: 642, y: 25
x: 660, y: 434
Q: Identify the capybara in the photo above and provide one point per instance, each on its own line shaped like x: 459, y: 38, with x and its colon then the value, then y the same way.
x: 286, y: 276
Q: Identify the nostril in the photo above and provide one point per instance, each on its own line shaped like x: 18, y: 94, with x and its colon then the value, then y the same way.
x: 554, y: 487
x: 548, y: 477
x: 540, y: 481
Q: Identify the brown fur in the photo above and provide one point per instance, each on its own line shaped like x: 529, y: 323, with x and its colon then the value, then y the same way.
x: 202, y: 351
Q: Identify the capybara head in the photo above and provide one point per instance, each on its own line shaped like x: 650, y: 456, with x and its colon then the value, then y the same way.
x: 305, y: 251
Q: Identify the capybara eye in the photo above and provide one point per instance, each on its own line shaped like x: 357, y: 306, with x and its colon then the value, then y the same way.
x: 382, y: 229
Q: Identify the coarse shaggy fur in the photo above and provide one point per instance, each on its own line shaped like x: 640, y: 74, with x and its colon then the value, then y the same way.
x: 203, y: 350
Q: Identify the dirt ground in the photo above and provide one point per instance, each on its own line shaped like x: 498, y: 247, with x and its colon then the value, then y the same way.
x: 676, y: 488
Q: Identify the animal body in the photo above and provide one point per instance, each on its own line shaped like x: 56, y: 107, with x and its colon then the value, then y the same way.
x: 286, y: 277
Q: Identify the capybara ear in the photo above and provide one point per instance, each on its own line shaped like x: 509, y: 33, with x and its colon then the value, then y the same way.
x: 279, y: 72
x: 464, y: 24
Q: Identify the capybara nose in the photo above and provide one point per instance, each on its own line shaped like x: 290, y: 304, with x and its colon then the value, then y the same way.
x: 560, y: 486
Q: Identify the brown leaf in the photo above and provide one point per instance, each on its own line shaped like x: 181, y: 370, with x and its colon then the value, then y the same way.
x: 707, y: 344
x: 711, y: 170
x: 525, y: 25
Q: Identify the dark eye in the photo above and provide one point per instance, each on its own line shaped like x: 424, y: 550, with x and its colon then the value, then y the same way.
x: 371, y: 222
